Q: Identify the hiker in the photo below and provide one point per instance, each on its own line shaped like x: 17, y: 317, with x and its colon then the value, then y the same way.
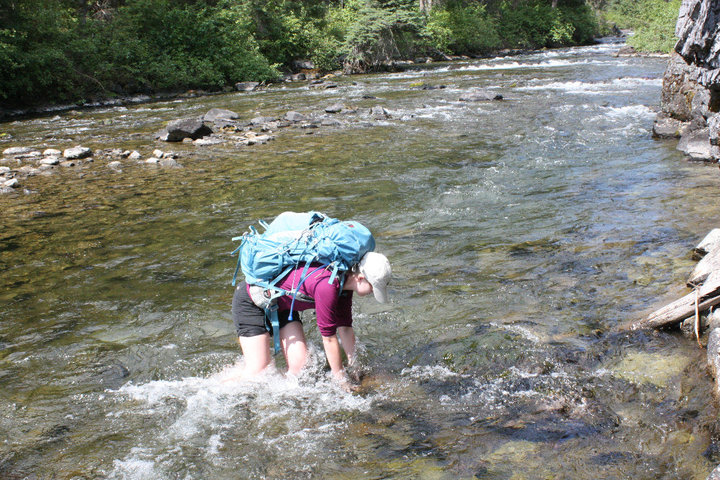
x: 332, y: 303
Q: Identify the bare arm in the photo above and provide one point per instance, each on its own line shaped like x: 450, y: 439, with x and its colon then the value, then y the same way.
x: 334, y: 356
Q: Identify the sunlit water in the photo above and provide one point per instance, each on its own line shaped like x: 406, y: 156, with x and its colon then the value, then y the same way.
x: 524, y: 236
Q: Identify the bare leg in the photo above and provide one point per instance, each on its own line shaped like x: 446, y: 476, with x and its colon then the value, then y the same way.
x: 256, y: 351
x: 294, y: 346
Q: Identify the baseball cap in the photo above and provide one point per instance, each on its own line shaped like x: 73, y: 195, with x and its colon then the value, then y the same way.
x: 375, y: 267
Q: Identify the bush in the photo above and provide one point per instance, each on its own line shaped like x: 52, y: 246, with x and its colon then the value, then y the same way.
x: 652, y: 20
x: 462, y: 29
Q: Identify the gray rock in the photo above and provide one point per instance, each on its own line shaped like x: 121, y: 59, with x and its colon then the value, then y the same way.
x: 714, y: 129
x: 77, y: 153
x: 4, y: 170
x: 17, y: 151
x: 115, y: 165
x: 295, y: 117
x: 297, y: 77
x: 246, y: 86
x: 334, y: 108
x: 215, y: 114
x: 696, y: 145
x: 668, y: 127
x: 331, y: 122
x: 52, y: 152
x: 152, y: 161
x: 169, y: 162
x: 379, y: 112
x: 715, y: 474
x: 134, y: 155
x: 713, y: 353
x: 178, y: 130
x: 203, y: 142
x: 12, y: 183
x: 261, y: 120
x: 52, y: 160
x: 697, y: 29
x: 480, y: 96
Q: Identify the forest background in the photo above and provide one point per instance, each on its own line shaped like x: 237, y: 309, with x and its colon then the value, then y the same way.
x: 55, y: 51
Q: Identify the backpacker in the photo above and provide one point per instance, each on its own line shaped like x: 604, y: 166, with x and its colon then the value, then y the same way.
x: 295, y: 238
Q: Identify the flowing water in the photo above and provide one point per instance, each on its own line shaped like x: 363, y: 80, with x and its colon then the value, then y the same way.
x: 525, y: 235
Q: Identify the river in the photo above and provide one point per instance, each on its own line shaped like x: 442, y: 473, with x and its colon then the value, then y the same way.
x: 525, y: 235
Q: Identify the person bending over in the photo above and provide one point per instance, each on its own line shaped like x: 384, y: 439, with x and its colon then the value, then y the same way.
x: 333, y: 310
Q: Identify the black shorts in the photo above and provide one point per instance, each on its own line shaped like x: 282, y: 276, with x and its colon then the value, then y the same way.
x: 249, y: 319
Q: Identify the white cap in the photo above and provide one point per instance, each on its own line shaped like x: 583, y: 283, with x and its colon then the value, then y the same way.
x: 375, y: 267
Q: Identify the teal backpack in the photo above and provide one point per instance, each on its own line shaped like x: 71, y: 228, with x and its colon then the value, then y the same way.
x: 298, y: 238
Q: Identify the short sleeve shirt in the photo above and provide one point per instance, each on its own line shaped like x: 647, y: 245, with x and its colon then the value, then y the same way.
x: 333, y: 306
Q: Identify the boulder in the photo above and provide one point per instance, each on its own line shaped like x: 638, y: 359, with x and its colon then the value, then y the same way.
x: 302, y: 65
x: 714, y: 129
x: 215, y: 114
x: 334, y: 108
x: 77, y: 153
x: 667, y: 127
x: 178, y: 130
x: 52, y: 160
x: 480, y: 96
x: 246, y: 86
x: 293, y: 116
x: 17, y: 151
x: 696, y: 145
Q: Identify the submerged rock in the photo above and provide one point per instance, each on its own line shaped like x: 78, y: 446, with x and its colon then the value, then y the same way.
x: 480, y: 96
x: 178, y: 130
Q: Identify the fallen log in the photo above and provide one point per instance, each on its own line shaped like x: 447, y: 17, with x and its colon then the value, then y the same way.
x: 708, y: 296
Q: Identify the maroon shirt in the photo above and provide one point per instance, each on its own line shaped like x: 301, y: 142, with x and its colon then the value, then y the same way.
x: 333, y: 308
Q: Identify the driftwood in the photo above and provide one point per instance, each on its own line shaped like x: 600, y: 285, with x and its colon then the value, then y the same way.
x: 708, y: 295
x: 705, y: 281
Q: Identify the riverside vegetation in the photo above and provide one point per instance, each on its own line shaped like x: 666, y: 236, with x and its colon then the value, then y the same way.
x: 80, y: 51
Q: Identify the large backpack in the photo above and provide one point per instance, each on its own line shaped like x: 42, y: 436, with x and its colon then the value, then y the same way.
x: 295, y: 238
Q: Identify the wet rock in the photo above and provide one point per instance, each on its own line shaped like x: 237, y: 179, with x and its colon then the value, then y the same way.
x: 261, y: 120
x: 696, y: 145
x: 17, y: 151
x: 713, y: 356
x: 668, y: 127
x: 331, y: 122
x: 379, y: 112
x: 246, y: 86
x: 178, y: 130
x: 293, y: 116
x: 205, y: 141
x: 77, y: 153
x: 52, y: 160
x: 169, y: 162
x: 334, y: 108
x: 215, y: 114
x: 480, y: 96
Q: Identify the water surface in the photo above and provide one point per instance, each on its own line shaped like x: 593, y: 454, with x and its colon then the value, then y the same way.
x: 524, y: 236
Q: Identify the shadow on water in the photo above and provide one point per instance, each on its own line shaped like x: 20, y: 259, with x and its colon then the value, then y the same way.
x: 524, y: 235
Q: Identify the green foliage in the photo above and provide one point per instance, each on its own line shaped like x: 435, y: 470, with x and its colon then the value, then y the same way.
x: 70, y: 50
x: 463, y: 29
x: 652, y: 20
